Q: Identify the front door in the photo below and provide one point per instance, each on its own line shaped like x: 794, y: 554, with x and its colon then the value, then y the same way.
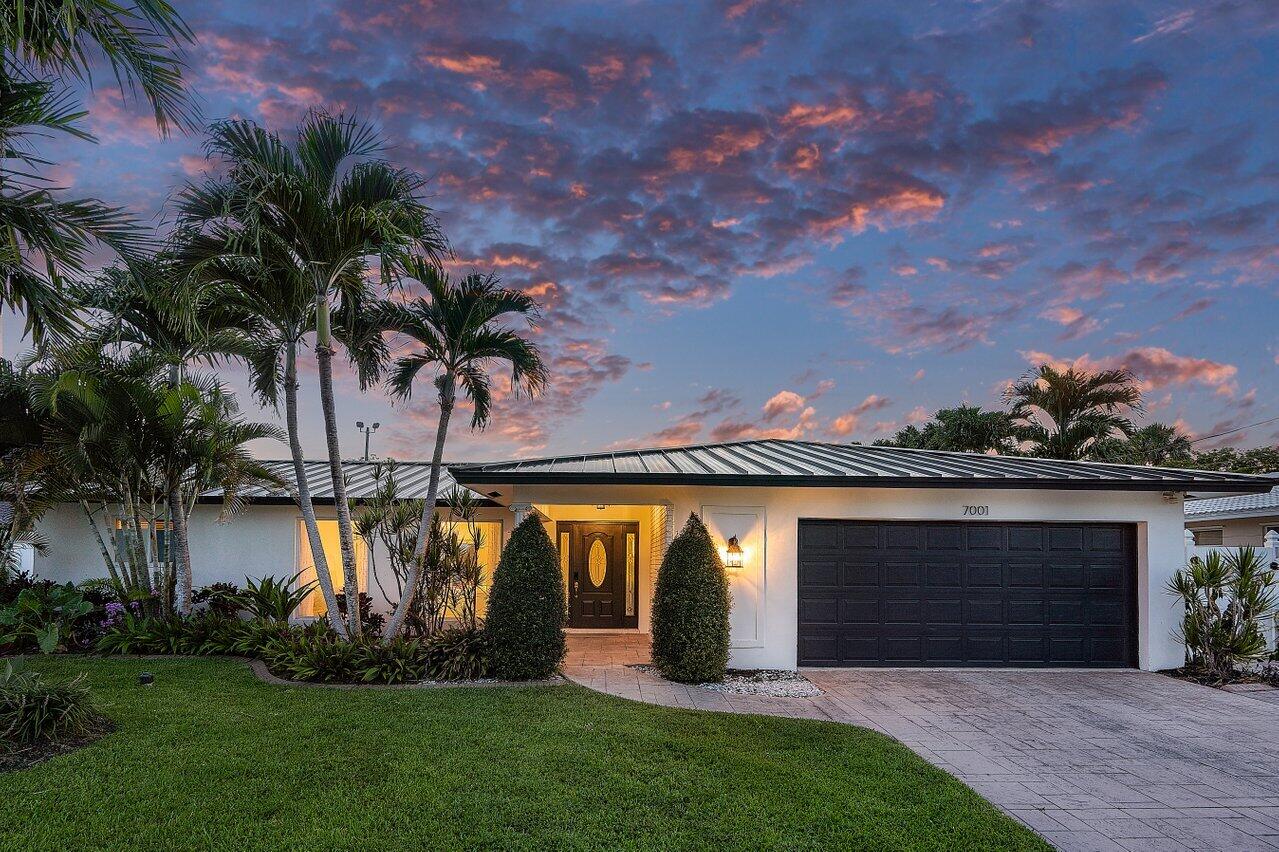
x: 603, y: 573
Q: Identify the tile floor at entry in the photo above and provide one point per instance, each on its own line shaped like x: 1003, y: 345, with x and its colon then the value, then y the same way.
x: 1092, y: 760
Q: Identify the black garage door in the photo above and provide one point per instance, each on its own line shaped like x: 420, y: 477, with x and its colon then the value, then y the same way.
x: 950, y: 593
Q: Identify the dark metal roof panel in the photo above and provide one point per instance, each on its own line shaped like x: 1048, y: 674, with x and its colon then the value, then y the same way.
x: 798, y: 463
x: 411, y: 478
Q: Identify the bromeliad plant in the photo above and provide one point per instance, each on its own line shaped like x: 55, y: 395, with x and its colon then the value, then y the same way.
x: 1229, y: 599
x: 33, y: 711
x: 272, y: 598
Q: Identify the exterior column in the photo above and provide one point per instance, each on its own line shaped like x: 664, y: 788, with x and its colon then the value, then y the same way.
x: 522, y: 511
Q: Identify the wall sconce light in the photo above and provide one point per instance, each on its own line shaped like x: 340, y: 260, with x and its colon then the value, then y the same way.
x: 733, y: 555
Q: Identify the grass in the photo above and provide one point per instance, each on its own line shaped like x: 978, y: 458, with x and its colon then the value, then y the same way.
x: 211, y: 758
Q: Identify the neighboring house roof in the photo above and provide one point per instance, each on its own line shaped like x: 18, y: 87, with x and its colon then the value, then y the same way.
x: 411, y: 479
x: 1236, y: 506
x: 814, y: 463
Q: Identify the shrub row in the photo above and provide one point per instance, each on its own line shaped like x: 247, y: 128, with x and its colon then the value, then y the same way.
x: 311, y: 653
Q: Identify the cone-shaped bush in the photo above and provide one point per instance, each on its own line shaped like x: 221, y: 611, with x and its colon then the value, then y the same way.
x: 525, y: 620
x: 690, y: 609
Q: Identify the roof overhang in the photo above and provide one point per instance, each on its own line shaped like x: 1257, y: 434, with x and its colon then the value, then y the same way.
x: 471, y: 476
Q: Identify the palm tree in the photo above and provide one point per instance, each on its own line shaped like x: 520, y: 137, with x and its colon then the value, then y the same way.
x: 1157, y: 445
x: 320, y: 208
x: 964, y: 429
x: 460, y: 328
x: 1061, y: 414
x: 266, y: 286
x: 48, y: 46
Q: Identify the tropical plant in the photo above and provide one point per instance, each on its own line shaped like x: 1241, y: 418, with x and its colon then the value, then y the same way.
x: 272, y: 598
x: 49, y: 47
x: 33, y: 711
x: 525, y: 621
x: 690, y: 609
x: 1229, y: 600
x: 1062, y: 413
x: 218, y: 598
x: 25, y: 495
x: 322, y: 206
x: 46, y: 614
x: 185, y: 438
x: 458, y: 653
x: 964, y: 429
x: 1157, y: 444
x: 370, y: 621
x: 460, y: 334
x: 1255, y: 460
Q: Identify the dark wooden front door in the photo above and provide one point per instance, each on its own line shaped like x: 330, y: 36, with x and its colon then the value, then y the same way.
x: 603, y: 573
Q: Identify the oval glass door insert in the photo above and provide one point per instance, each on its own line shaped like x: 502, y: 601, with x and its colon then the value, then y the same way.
x: 597, y: 563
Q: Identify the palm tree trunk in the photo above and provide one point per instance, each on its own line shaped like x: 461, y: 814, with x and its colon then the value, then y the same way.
x: 324, y: 360
x: 428, y: 510
x: 304, y: 490
x: 179, y: 552
x: 102, y: 546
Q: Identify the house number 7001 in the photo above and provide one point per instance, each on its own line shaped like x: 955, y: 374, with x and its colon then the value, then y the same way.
x: 976, y: 510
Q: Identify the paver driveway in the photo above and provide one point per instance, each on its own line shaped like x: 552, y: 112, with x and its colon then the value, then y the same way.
x: 1089, y: 759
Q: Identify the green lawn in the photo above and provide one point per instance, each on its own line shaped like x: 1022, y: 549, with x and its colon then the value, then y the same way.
x: 210, y: 758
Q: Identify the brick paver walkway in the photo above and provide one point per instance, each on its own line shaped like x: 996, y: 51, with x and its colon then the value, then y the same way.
x: 1092, y: 760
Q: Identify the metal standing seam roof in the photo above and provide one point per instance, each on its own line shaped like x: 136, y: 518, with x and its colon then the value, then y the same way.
x: 815, y: 463
x: 1244, y: 505
x: 411, y: 479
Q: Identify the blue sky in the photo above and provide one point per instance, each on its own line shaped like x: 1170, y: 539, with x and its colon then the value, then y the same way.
x: 819, y: 220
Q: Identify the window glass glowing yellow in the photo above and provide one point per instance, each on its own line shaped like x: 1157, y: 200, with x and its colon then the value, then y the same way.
x: 328, y: 528
x: 597, y: 563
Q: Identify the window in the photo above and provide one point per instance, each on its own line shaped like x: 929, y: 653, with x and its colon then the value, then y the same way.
x: 328, y: 528
x: 1208, y: 537
x: 157, y: 545
x: 490, y: 533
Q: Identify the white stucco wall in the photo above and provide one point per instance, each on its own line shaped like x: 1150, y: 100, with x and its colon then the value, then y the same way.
x: 765, y: 594
x: 258, y: 541
x: 263, y: 540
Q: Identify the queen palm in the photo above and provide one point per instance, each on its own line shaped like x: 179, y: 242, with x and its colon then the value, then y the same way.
x: 1062, y: 414
x: 320, y: 208
x: 461, y: 332
x: 47, y: 46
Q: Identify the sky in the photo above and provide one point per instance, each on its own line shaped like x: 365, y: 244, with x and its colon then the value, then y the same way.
x: 762, y: 218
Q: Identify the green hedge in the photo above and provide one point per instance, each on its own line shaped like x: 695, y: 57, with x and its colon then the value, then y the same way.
x: 525, y: 620
x: 690, y: 609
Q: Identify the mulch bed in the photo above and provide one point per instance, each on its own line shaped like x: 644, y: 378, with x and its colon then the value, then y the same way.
x: 1266, y: 675
x: 774, y: 683
x: 24, y: 757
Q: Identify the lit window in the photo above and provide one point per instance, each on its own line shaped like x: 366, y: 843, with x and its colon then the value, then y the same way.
x: 328, y: 528
x: 157, y: 546
x: 490, y: 533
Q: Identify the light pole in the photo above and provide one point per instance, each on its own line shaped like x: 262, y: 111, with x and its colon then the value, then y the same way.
x: 367, y: 430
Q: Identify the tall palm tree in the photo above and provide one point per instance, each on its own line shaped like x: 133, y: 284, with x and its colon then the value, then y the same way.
x: 46, y: 47
x: 321, y: 207
x: 268, y: 287
x: 461, y: 329
x: 1063, y: 413
x: 964, y: 429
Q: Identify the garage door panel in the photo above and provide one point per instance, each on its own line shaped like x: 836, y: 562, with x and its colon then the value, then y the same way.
x: 902, y: 573
x: 944, y: 575
x: 985, y: 574
x: 968, y: 594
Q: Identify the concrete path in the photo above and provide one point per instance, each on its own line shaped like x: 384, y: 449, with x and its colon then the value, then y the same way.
x: 1092, y: 760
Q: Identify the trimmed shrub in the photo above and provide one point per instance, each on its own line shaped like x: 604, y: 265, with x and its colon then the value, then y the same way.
x: 525, y: 621
x: 33, y: 711
x: 690, y: 609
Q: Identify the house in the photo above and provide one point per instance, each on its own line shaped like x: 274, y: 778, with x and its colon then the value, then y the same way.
x: 849, y: 555
x: 1236, y: 520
